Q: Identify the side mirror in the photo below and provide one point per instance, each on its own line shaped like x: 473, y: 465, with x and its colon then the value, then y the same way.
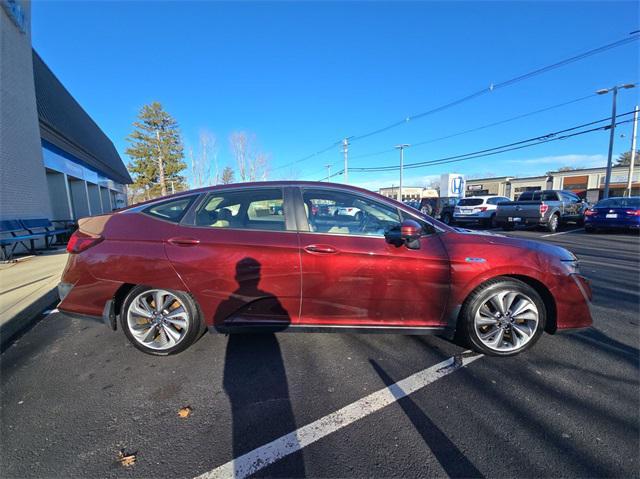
x: 408, y: 234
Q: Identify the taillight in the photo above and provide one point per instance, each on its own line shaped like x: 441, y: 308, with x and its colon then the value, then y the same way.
x: 543, y: 208
x: 589, y: 212
x: 633, y: 212
x: 80, y: 242
x: 481, y: 208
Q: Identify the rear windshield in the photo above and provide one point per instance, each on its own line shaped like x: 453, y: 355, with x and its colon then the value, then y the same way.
x: 470, y: 202
x: 619, y: 203
x: 538, y: 195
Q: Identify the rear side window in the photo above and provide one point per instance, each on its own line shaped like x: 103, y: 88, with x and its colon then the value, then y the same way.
x: 470, y: 202
x: 171, y: 210
x: 549, y: 196
x: 250, y: 209
x: 497, y: 200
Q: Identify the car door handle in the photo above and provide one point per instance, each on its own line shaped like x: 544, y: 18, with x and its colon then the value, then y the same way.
x: 320, y: 248
x: 184, y: 241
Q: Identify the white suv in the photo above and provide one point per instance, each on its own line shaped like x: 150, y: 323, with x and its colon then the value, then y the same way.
x: 478, y: 209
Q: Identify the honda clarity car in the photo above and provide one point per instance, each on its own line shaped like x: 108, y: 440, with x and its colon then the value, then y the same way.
x: 224, y: 259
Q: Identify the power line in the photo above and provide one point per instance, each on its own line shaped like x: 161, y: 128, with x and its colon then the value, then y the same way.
x: 492, y: 87
x: 489, y: 125
x: 553, y: 136
x: 502, y: 84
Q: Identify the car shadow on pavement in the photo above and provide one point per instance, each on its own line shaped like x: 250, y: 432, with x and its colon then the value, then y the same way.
x: 594, y: 338
x: 452, y: 460
x: 255, y: 379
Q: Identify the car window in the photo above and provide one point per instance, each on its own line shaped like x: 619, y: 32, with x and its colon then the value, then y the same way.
x: 496, y: 200
x: 171, y: 210
x: 470, y: 202
x: 549, y: 196
x: 337, y: 212
x: 526, y: 196
x: 619, y: 203
x: 252, y: 209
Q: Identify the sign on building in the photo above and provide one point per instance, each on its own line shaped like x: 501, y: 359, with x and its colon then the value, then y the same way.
x: 452, y: 185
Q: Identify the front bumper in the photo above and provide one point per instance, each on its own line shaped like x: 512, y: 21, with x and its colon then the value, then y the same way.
x: 573, y: 303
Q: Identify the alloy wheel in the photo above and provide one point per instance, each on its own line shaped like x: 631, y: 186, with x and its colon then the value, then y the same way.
x: 506, y: 321
x: 157, y: 319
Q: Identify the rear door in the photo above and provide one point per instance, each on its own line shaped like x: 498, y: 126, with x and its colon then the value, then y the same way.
x: 237, y: 251
x: 352, y: 277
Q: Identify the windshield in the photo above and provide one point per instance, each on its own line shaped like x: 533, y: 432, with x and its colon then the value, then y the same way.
x: 470, y: 202
x: 619, y: 203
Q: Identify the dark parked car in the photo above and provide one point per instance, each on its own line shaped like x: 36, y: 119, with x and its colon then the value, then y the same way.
x: 546, y: 208
x: 618, y: 213
x: 439, y: 208
x: 220, y: 259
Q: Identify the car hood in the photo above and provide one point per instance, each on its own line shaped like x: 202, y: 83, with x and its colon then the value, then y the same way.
x: 486, y: 238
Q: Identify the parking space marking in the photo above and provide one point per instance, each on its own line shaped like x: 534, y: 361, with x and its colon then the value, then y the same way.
x: 562, y: 232
x: 259, y: 458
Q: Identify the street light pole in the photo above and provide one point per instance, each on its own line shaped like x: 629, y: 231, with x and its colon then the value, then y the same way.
x: 604, y: 91
x: 401, y: 147
x: 633, y: 150
x: 345, y: 151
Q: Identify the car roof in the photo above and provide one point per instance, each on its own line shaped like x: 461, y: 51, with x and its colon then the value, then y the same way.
x: 484, y: 197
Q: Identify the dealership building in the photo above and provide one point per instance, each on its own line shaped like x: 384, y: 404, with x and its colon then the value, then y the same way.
x: 587, y: 183
x: 55, y: 161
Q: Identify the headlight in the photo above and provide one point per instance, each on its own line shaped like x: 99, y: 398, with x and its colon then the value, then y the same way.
x: 571, y: 265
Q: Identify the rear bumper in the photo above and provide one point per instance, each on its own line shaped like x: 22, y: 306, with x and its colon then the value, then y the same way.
x: 502, y: 220
x: 612, y: 223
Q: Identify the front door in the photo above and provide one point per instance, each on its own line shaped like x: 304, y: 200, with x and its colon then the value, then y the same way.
x: 351, y: 276
x: 240, y: 258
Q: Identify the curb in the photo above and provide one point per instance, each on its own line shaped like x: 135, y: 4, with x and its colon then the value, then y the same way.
x: 26, y: 318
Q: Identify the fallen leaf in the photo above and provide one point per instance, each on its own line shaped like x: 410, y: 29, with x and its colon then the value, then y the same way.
x: 184, y: 412
x: 126, y: 460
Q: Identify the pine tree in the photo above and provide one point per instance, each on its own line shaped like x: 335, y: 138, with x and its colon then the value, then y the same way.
x: 227, y: 175
x: 156, y: 152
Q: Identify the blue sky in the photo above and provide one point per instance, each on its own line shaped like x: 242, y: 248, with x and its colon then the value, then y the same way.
x: 303, y: 75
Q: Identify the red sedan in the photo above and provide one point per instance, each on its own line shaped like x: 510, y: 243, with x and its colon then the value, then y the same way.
x: 279, y: 256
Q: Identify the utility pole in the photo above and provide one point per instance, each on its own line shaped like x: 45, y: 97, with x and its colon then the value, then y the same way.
x: 633, y: 150
x: 328, y: 172
x: 401, y: 147
x: 345, y: 151
x: 604, y: 91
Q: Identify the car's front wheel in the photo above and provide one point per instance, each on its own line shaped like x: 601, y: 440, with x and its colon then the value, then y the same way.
x: 160, y: 321
x: 503, y: 317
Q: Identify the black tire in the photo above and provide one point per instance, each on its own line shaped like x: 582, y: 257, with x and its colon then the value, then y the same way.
x: 590, y: 229
x: 491, y: 222
x: 358, y: 216
x: 554, y: 222
x: 195, y: 330
x: 446, y: 219
x: 507, y: 227
x: 466, y: 331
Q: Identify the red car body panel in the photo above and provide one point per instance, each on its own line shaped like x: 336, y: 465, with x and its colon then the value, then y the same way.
x: 273, y: 277
x: 368, y: 281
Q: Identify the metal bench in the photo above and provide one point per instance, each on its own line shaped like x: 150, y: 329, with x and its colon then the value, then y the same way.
x: 46, y: 227
x: 18, y: 235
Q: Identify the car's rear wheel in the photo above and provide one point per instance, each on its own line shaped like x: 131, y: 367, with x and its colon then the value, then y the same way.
x: 507, y: 227
x: 503, y: 317
x: 446, y: 219
x: 160, y: 321
x: 589, y: 229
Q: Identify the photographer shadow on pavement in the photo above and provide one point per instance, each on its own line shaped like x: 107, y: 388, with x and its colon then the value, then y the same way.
x: 255, y: 379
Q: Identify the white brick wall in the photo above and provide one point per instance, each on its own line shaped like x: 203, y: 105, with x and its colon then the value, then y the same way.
x: 23, y: 185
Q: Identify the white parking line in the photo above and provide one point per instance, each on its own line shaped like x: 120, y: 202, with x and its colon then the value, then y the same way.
x: 259, y: 458
x: 562, y: 233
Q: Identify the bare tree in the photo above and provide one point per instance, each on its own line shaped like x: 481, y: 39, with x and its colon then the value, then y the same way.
x: 227, y: 175
x: 252, y: 164
x: 204, y: 166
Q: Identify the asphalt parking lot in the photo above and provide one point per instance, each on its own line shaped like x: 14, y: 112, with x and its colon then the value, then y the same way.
x: 74, y: 394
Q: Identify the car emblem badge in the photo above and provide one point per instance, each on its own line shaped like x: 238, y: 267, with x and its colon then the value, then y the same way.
x: 475, y: 260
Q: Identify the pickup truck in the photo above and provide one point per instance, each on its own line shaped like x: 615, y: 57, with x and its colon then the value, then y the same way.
x: 547, y: 208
